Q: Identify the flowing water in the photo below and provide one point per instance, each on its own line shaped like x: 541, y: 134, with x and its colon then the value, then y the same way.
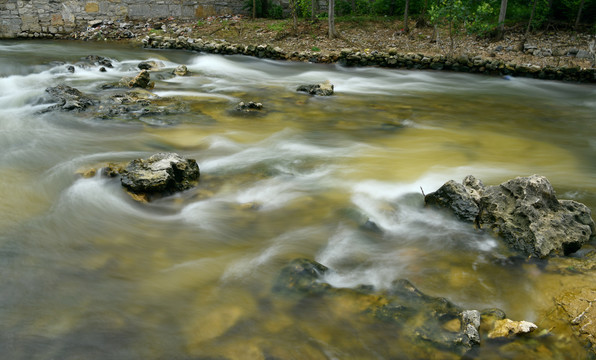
x: 89, y: 273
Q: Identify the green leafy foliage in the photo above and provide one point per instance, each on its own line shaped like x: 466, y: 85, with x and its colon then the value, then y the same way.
x: 481, y: 21
x: 275, y: 11
x: 304, y: 8
x: 259, y: 7
x: 265, y: 9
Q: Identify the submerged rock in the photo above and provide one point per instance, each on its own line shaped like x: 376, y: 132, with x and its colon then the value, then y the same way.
x: 424, y: 319
x: 302, y: 275
x: 249, y: 106
x: 322, y: 89
x: 96, y: 60
x: 524, y: 211
x: 68, y: 98
x: 507, y: 328
x: 162, y: 173
x: 576, y: 308
x: 149, y: 65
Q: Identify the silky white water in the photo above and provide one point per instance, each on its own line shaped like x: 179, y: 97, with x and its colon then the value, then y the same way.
x: 87, y: 272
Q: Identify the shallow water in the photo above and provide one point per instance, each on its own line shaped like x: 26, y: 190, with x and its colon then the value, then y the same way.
x: 89, y: 273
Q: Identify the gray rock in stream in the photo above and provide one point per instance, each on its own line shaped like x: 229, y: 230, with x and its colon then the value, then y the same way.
x: 322, y: 89
x: 142, y: 80
x: 524, y: 211
x: 162, y: 173
x: 68, y: 98
x: 455, y: 197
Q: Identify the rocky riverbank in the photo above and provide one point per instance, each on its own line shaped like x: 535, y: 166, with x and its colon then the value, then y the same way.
x: 559, y: 55
x: 391, y: 58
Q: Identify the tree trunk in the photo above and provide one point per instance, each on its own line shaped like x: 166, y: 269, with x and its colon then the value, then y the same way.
x: 406, y: 27
x: 501, y: 28
x: 424, y: 7
x: 579, y: 14
x: 332, y: 32
x: 312, y: 10
x: 293, y: 4
x: 451, y: 40
x: 531, y: 18
x: 254, y: 9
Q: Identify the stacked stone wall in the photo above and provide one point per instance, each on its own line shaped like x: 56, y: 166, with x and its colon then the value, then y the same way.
x: 22, y: 18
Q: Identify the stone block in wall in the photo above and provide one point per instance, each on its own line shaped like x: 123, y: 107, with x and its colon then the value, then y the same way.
x: 205, y: 11
x: 57, y: 20
x: 68, y: 11
x: 122, y: 12
x: 91, y: 7
x: 148, y: 11
x: 188, y: 11
x: 30, y: 23
x: 175, y: 10
x: 10, y: 27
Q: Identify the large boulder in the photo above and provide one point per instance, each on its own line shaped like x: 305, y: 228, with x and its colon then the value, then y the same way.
x: 524, y: 211
x: 162, y: 173
x: 68, y: 98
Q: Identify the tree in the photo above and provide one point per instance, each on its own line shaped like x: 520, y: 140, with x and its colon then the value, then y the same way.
x: 502, y: 12
x: 406, y: 28
x: 579, y: 14
x: 531, y: 18
x: 332, y: 32
x: 254, y: 9
x: 293, y: 9
x: 452, y: 11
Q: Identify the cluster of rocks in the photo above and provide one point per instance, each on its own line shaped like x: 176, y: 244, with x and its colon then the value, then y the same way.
x: 524, y: 211
x: 127, y: 99
x: 526, y: 214
x: 136, y: 101
x: 390, y: 59
x: 248, y: 107
x: 423, y: 319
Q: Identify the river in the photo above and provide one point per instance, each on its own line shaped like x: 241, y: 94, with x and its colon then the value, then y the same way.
x: 89, y: 273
